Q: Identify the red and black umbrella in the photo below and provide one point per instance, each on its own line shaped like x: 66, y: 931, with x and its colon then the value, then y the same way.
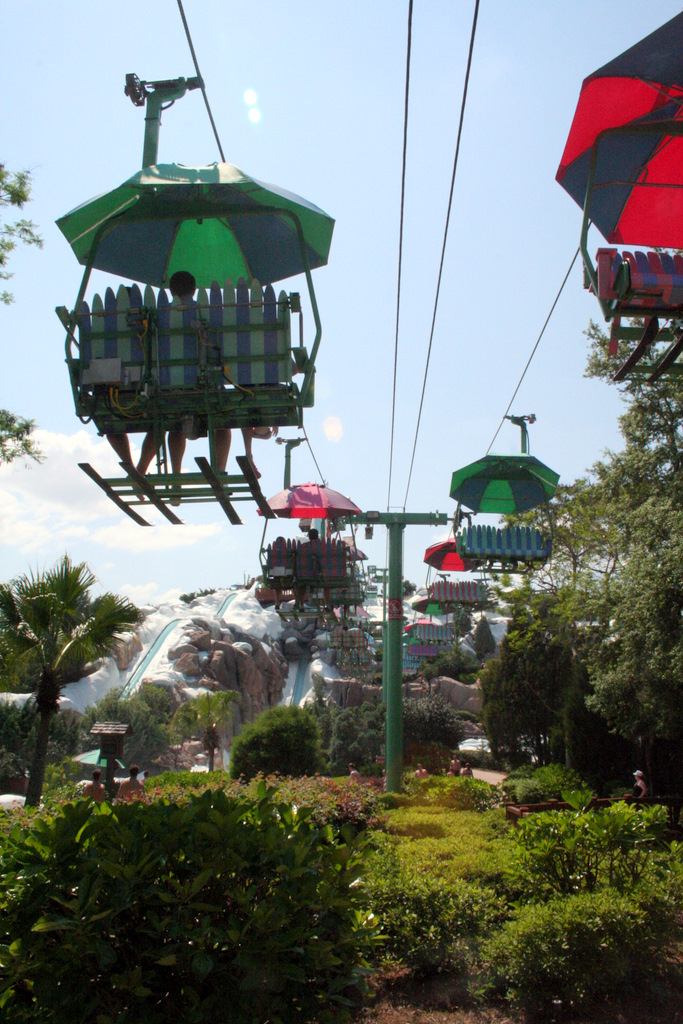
x: 444, y: 557
x: 311, y: 501
x: 636, y: 100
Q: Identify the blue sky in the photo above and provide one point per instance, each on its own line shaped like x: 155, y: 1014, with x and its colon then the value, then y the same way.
x: 329, y: 82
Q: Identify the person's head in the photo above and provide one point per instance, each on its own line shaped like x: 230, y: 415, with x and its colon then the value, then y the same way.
x: 96, y: 775
x: 639, y: 774
x: 182, y: 284
x: 313, y: 534
x: 133, y: 771
x: 352, y: 768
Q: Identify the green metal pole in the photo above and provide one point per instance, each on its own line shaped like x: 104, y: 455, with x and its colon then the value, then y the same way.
x: 393, y: 653
x: 288, y: 460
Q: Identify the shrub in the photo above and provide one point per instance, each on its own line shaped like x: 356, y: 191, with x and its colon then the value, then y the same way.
x: 527, y: 785
x: 217, y: 909
x: 432, y: 719
x: 435, y: 757
x: 579, y: 948
x: 11, y: 767
x: 565, y: 851
x: 283, y: 740
x: 459, y: 792
x: 429, y: 924
x: 356, y: 735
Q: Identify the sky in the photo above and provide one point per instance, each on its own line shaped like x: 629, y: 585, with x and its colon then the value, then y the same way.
x: 328, y: 81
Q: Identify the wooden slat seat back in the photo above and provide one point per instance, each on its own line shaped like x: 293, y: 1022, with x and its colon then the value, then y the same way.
x: 321, y: 561
x: 280, y: 561
x: 640, y: 282
x: 488, y: 543
x: 251, y: 330
x: 227, y: 351
x: 350, y: 593
x: 431, y: 631
x: 347, y: 639
x: 422, y: 651
x: 462, y: 592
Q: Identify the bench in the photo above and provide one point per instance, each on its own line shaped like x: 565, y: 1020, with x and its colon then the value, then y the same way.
x: 348, y: 639
x: 419, y: 651
x: 226, y: 355
x: 322, y: 562
x: 463, y: 592
x: 431, y: 631
x: 508, y: 547
x: 640, y: 281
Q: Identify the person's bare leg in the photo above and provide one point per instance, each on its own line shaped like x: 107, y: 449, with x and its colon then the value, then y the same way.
x: 147, y: 452
x: 176, y: 450
x: 222, y: 438
x: 248, y: 437
x: 121, y: 446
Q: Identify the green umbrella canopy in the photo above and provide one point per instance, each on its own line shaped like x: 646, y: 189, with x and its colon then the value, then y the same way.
x: 504, y: 484
x: 215, y: 222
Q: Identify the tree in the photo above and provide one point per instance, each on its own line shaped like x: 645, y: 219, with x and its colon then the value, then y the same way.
x: 48, y: 621
x: 209, y: 713
x: 15, y: 190
x: 283, y: 740
x: 148, y: 712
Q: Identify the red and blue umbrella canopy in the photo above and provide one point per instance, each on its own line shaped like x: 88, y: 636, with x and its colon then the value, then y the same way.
x: 637, y: 195
x: 444, y: 557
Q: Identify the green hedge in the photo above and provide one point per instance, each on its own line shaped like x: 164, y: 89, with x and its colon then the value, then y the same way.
x: 218, y: 909
x: 581, y: 948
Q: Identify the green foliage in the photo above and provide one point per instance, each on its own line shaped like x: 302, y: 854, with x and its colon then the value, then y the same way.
x: 282, y: 740
x: 430, y: 925
x: 453, y: 664
x: 581, y: 948
x: 209, y: 712
x: 524, y: 688
x: 535, y: 785
x: 15, y: 434
x: 356, y: 735
x: 432, y: 719
x: 148, y: 712
x: 180, y: 913
x: 189, y: 598
x: 61, y: 779
x: 49, y: 622
x: 11, y: 766
x: 483, y: 639
x: 19, y: 729
x: 564, y: 852
x: 15, y: 190
x: 434, y: 757
x: 458, y: 792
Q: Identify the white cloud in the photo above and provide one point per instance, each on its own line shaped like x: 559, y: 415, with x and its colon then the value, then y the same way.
x: 148, y: 593
x: 333, y: 428
x: 127, y: 535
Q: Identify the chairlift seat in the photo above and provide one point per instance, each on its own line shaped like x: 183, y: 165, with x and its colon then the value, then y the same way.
x: 504, y: 548
x: 322, y: 562
x: 420, y: 651
x: 640, y: 283
x: 463, y: 592
x: 430, y: 631
x: 223, y: 360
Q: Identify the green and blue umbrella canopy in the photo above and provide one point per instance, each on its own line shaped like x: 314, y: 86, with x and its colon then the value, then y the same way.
x: 215, y: 222
x: 504, y: 484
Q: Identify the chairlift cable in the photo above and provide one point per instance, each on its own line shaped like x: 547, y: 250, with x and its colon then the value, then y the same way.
x: 199, y: 76
x: 400, y: 244
x: 320, y: 474
x: 533, y: 351
x: 443, y: 248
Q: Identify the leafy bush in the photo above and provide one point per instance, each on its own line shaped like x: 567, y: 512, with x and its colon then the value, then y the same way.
x: 453, y: 664
x: 435, y: 757
x: 566, y: 851
x: 429, y: 924
x: 283, y: 740
x: 11, y: 766
x: 19, y: 728
x: 459, y: 792
x: 329, y: 801
x: 356, y: 735
x: 580, y: 948
x: 219, y: 908
x: 432, y: 719
x: 528, y: 785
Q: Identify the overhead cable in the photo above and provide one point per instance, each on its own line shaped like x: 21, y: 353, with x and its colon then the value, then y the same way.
x: 533, y: 351
x: 199, y: 76
x: 443, y: 248
x: 400, y: 243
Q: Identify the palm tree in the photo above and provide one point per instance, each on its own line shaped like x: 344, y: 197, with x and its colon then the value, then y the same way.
x: 208, y: 711
x: 49, y: 623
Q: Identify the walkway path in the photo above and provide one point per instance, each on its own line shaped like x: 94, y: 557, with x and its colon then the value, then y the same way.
x: 493, y: 777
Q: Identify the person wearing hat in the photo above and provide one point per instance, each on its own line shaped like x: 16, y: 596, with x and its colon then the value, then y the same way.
x: 640, y: 785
